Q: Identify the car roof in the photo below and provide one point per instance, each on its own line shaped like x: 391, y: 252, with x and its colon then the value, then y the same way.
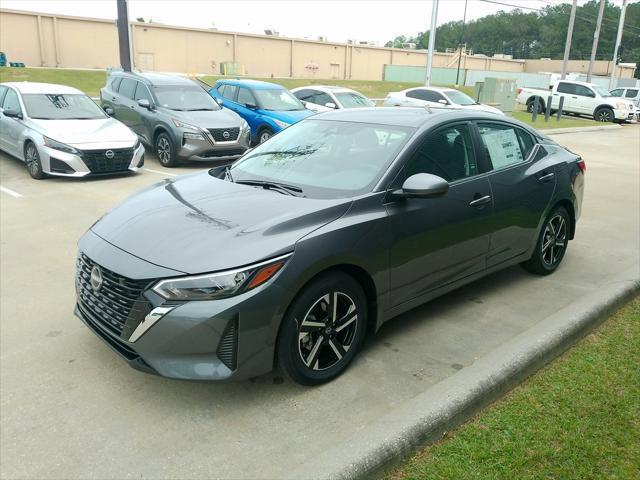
x: 413, y: 117
x: 37, y: 87
x: 157, y: 78
x: 253, y: 84
x: 435, y: 89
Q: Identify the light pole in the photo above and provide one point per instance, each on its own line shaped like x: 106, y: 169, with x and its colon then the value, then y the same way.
x: 124, y: 39
x: 596, y: 35
x: 567, y: 45
x: 464, y: 22
x: 612, y: 79
x: 432, y: 42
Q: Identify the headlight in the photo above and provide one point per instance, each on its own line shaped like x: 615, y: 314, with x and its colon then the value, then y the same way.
x: 192, y: 136
x: 221, y: 284
x: 245, y: 126
x: 137, y: 144
x: 181, y: 124
x: 63, y: 147
x: 280, y: 123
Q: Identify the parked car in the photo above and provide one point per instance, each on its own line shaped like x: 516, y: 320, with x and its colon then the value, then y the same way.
x: 629, y: 93
x: 58, y: 130
x: 580, y: 98
x: 268, y: 107
x: 175, y: 117
x: 318, y: 236
x: 436, y: 97
x: 321, y: 98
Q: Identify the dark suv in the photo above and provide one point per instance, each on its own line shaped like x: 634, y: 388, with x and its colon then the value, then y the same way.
x: 176, y: 117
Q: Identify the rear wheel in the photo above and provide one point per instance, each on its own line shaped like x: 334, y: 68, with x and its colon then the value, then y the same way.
x: 531, y: 104
x: 552, y: 244
x: 32, y: 159
x: 323, y: 329
x: 165, y: 151
x: 604, y: 115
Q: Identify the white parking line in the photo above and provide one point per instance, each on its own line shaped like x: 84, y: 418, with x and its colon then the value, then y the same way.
x: 161, y: 173
x: 10, y: 192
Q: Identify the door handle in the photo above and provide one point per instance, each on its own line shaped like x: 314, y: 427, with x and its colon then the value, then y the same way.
x: 478, y: 202
x: 575, y: 97
x: 546, y: 177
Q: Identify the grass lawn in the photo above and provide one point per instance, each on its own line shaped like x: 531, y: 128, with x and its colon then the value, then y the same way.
x: 90, y: 82
x: 577, y: 418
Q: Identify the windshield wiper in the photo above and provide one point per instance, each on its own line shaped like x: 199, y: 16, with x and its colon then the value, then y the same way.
x: 289, y: 189
x: 198, y: 110
x: 293, y: 153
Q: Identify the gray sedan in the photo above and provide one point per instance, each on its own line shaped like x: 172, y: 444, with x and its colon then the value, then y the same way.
x: 58, y: 130
x: 320, y: 235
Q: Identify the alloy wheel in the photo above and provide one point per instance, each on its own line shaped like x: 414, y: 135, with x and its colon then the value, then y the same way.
x: 33, y: 160
x: 604, y: 116
x: 264, y: 136
x: 327, y: 331
x: 163, y: 150
x: 554, y: 240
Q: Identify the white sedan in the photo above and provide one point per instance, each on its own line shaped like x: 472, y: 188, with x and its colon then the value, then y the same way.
x: 436, y: 97
x: 58, y: 130
x: 322, y: 98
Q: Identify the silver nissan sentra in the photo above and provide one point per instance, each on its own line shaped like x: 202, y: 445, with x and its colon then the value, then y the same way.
x: 319, y: 235
x: 58, y: 130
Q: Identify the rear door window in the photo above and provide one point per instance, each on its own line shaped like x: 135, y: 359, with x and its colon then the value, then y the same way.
x: 115, y: 83
x: 128, y: 88
x: 419, y: 94
x: 229, y: 92
x: 564, y: 87
x: 502, y: 144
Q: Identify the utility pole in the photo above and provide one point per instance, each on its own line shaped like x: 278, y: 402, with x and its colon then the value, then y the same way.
x: 124, y: 39
x: 612, y: 79
x: 596, y: 35
x: 432, y: 42
x: 464, y: 22
x: 567, y: 45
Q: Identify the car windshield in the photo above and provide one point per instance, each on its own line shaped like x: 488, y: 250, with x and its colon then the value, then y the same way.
x: 184, y: 97
x: 353, y: 100
x: 325, y: 159
x: 55, y: 106
x: 603, y: 92
x: 277, y: 99
x: 460, y: 98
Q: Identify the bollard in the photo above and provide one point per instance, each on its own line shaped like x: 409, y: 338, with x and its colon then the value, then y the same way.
x: 536, y: 106
x: 547, y: 112
x: 559, y: 113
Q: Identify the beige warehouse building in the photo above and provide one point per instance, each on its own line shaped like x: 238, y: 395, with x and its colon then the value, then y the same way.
x: 48, y: 40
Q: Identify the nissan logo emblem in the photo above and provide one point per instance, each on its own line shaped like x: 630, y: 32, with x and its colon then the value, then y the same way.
x: 96, y: 279
x: 109, y: 154
x: 225, y: 135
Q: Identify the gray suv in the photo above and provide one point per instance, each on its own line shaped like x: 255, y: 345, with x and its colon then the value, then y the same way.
x: 175, y: 117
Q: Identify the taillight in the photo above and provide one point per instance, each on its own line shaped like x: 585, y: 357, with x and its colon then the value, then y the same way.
x: 518, y: 91
x: 582, y: 166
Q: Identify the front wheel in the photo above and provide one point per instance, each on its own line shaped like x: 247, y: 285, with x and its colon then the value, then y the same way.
x: 323, y: 329
x: 165, y: 151
x: 264, y: 135
x: 552, y: 244
x: 604, y: 115
x: 34, y: 164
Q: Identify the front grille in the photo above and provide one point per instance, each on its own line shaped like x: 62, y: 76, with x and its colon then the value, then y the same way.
x: 223, y: 152
x: 227, y: 350
x: 118, y: 305
x: 98, y: 162
x: 218, y: 134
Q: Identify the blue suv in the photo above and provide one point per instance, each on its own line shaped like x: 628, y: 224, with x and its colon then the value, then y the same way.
x: 267, y: 107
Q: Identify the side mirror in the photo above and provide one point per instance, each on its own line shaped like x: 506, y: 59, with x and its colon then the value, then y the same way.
x: 219, y: 101
x: 250, y: 105
x: 330, y: 105
x: 12, y: 114
x: 423, y: 185
x: 443, y: 101
x: 144, y: 103
x: 109, y: 111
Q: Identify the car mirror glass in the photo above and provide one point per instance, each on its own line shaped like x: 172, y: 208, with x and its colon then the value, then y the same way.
x: 144, y: 103
x: 109, y: 111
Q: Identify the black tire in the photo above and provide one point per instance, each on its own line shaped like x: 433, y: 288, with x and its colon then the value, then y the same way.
x: 604, y: 114
x: 552, y: 243
x: 32, y: 159
x: 165, y: 151
x: 264, y: 134
x: 531, y: 104
x: 326, y: 346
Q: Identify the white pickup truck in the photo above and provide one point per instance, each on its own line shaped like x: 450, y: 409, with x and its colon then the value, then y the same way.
x: 579, y: 98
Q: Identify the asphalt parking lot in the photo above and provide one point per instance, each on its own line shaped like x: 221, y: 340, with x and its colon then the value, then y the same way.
x: 70, y: 408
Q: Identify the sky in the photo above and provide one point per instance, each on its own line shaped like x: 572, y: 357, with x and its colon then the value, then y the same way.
x: 336, y: 20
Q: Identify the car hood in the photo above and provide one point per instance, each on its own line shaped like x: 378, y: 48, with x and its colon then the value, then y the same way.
x: 198, y: 223
x: 79, y: 132
x: 223, y: 118
x: 289, y: 116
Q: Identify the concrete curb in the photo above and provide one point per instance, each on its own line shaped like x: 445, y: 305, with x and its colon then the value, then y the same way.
x: 559, y: 131
x: 444, y: 406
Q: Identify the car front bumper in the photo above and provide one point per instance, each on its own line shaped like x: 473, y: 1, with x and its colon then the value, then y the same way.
x: 216, y: 340
x: 208, y: 150
x: 59, y: 163
x: 623, y: 114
